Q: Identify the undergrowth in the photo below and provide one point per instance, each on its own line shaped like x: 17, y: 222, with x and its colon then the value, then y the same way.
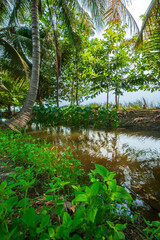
x: 45, y: 198
x: 97, y: 116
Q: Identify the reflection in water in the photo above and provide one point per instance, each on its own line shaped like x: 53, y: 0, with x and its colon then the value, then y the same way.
x: 134, y: 156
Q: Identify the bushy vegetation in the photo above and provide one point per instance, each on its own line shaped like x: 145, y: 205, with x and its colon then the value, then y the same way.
x: 44, y: 197
x: 97, y: 116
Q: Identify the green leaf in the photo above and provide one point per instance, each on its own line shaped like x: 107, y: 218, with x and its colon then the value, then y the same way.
x: 155, y: 223
x: 158, y: 236
x: 12, y: 201
x: 120, y: 227
x: 51, y: 233
x: 59, y: 232
x: 95, y: 188
x: 76, y: 237
x: 12, y: 232
x: 112, y: 185
x: 29, y: 218
x: 111, y: 224
x: 45, y: 221
x: 67, y: 221
x: 81, y: 198
x: 3, y: 185
x: 120, y: 193
x: 22, y: 202
x: 77, y: 221
x: 44, y: 236
x: 101, y: 170
x: 91, y: 214
x: 118, y: 235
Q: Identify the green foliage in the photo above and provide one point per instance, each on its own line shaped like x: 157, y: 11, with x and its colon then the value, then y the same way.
x: 24, y: 149
x: 15, y: 92
x: 75, y: 116
x: 152, y: 230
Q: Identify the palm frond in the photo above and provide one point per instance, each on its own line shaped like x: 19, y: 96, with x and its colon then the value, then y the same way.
x: 66, y: 12
x: 152, y: 46
x: 96, y: 8
x: 18, y: 9
x: 4, y: 8
x: 15, y: 56
x: 3, y: 87
x: 151, y: 14
x: 116, y: 11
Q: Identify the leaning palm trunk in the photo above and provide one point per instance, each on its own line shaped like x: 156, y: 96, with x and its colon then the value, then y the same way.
x: 22, y: 118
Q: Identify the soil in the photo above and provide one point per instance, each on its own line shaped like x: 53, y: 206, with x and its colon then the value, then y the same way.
x: 145, y: 119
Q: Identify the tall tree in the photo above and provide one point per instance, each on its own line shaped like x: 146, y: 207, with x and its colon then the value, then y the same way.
x: 22, y: 118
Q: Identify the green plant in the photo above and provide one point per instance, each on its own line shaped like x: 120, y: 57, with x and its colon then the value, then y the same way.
x: 76, y: 116
x: 152, y: 230
x: 96, y: 216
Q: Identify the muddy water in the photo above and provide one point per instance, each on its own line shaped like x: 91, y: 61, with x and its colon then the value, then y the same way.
x: 135, y: 156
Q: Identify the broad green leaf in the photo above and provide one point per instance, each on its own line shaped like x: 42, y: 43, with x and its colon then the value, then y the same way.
x: 118, y: 235
x: 22, y: 202
x: 81, y: 198
x: 111, y: 176
x: 59, y: 232
x: 101, y: 170
x: 155, y: 223
x: 158, y: 236
x: 44, y: 236
x: 12, y: 201
x: 45, y: 221
x: 77, y: 221
x: 91, y: 214
x: 76, y: 237
x: 67, y: 221
x: 29, y: 218
x: 120, y: 193
x: 112, y: 185
x: 95, y: 188
x: 51, y: 233
x: 3, y: 185
x: 120, y: 227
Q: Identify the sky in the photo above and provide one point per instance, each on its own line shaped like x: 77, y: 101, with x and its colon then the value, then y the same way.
x: 137, y: 8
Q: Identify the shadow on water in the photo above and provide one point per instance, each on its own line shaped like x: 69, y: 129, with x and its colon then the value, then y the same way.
x: 135, y: 156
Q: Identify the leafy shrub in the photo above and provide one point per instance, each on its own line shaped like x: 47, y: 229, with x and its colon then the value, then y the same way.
x: 75, y: 116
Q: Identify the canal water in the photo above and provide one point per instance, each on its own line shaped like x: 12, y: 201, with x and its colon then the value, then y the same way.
x: 135, y: 156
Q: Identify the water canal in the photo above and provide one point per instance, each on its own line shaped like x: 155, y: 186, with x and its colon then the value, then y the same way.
x: 135, y: 156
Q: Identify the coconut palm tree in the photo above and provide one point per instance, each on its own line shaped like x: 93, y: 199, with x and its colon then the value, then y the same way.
x: 21, y: 119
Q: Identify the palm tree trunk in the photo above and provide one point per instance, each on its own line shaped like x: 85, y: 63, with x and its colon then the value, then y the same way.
x: 22, y: 118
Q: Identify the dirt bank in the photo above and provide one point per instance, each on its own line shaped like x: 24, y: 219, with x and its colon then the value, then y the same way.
x: 148, y: 119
